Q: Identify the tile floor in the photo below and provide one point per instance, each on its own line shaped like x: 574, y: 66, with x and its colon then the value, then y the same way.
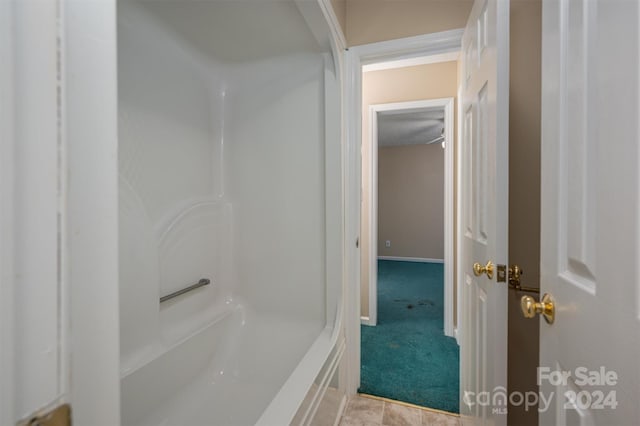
x: 366, y: 411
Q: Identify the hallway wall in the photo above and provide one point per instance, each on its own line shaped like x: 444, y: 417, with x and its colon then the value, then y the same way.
x: 368, y: 21
x: 411, y: 201
x: 415, y: 83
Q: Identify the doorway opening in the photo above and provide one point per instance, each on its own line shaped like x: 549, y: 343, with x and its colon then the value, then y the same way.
x: 428, y: 49
x: 407, y: 180
x: 416, y: 141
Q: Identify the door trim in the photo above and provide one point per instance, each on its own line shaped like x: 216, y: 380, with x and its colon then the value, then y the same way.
x: 90, y: 135
x: 31, y: 366
x: 357, y: 56
x: 372, y: 195
x: 7, y: 325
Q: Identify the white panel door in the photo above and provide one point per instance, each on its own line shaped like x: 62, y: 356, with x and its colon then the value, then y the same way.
x: 483, y: 193
x: 589, y: 240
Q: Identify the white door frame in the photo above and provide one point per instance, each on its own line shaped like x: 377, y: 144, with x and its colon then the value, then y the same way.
x: 442, y: 43
x: 7, y: 356
x: 32, y: 346
x: 372, y: 195
x: 58, y: 215
x: 90, y: 134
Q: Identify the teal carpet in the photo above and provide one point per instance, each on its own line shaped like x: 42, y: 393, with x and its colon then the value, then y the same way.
x: 407, y: 357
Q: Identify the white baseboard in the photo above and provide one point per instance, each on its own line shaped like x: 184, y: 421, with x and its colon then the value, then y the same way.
x: 365, y: 321
x: 411, y: 259
x: 455, y: 334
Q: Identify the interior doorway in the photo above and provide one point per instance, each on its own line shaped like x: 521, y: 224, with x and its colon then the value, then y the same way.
x: 428, y: 49
x: 408, y: 198
x: 414, y: 124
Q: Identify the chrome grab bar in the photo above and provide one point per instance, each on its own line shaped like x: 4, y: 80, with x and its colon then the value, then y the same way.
x: 201, y: 283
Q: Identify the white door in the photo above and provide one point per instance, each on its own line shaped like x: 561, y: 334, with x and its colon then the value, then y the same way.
x: 484, y: 114
x: 590, y: 355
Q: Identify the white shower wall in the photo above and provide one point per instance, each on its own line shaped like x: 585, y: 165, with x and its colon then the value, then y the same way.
x: 276, y: 181
x: 226, y: 173
x: 174, y: 221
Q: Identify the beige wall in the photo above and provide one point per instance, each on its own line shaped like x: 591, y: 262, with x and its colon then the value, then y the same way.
x: 369, y: 21
x: 524, y: 195
x: 411, y: 201
x: 396, y: 85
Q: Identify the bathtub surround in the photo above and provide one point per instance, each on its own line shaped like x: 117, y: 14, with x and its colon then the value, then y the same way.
x: 407, y: 357
x: 229, y: 136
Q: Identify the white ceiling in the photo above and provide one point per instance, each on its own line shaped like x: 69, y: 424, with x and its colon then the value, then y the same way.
x: 412, y: 127
x: 411, y: 62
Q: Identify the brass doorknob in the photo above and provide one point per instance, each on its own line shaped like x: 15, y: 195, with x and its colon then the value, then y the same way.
x: 546, y: 307
x: 478, y: 269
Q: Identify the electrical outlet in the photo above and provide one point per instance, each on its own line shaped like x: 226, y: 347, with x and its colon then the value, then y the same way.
x: 387, y: 243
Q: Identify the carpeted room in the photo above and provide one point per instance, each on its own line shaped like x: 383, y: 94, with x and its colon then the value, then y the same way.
x: 406, y: 356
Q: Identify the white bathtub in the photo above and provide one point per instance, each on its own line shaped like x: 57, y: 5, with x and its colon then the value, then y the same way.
x: 229, y: 160
x: 228, y: 374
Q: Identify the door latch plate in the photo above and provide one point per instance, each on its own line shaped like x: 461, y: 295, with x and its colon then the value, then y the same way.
x: 501, y: 276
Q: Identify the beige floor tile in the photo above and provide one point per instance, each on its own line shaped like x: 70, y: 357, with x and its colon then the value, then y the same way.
x: 352, y: 421
x: 367, y: 410
x: 431, y: 418
x: 363, y: 411
x: 400, y: 415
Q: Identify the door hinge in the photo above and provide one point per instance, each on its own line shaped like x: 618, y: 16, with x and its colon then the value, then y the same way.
x: 59, y: 416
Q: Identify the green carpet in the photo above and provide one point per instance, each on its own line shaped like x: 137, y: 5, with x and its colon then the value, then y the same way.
x: 407, y: 357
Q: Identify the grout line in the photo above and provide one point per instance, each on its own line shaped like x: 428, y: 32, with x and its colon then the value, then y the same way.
x: 408, y: 404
